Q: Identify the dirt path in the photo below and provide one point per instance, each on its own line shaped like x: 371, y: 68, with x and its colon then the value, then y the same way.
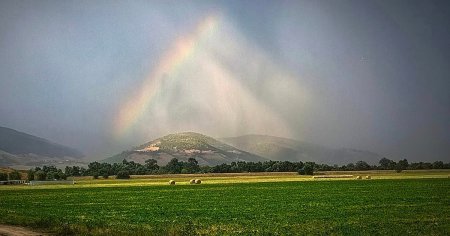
x: 8, y: 230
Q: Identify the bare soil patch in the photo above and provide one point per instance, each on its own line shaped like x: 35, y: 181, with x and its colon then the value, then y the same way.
x: 8, y: 230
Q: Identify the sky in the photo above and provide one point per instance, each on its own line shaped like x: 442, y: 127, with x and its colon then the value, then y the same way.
x: 103, y: 76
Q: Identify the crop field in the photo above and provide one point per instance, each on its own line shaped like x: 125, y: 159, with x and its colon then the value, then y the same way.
x: 410, y: 203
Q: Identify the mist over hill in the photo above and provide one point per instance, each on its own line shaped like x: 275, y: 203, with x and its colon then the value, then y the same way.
x: 21, y: 149
x: 282, y: 149
x: 210, y: 151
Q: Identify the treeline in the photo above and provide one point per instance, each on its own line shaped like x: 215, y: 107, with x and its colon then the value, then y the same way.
x: 46, y: 173
x: 126, y: 168
x: 175, y: 166
x: 14, y: 175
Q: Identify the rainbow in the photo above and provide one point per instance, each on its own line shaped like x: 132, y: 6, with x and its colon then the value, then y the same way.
x: 181, y: 50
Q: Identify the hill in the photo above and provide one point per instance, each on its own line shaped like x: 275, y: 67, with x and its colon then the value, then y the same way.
x: 21, y: 149
x: 276, y: 148
x: 206, y: 150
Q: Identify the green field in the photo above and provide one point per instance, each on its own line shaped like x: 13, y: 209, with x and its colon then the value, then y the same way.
x: 414, y: 203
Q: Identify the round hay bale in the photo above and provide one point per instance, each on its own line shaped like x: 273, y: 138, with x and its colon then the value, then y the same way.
x: 358, y: 177
x: 368, y: 177
x: 172, y: 182
x: 198, y: 181
x: 192, y: 181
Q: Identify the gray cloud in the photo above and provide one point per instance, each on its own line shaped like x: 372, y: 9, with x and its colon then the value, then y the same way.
x: 369, y: 75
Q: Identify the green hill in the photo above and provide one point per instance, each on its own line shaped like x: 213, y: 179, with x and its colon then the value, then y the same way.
x: 207, y: 150
x: 276, y: 148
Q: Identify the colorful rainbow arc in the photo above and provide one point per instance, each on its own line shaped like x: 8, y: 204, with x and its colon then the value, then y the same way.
x: 182, y: 49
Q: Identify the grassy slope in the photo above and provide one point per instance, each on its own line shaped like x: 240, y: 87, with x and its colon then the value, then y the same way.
x: 172, y: 145
x: 394, y: 207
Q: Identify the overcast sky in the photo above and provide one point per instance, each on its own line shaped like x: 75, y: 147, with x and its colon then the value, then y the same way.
x: 102, y: 76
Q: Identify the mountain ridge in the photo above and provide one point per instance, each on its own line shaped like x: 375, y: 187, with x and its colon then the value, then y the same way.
x: 280, y: 148
x: 21, y: 149
x: 207, y: 150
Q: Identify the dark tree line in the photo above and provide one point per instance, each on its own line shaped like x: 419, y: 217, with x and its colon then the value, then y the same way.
x: 46, y: 173
x: 14, y: 175
x: 126, y: 168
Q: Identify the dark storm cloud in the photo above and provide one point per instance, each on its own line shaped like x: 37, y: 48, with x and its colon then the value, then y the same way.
x: 373, y: 74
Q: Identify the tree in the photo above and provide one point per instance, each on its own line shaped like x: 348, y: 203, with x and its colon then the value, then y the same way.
x: 387, y: 164
x: 174, y: 166
x: 398, y: 168
x: 438, y: 165
x: 95, y: 175
x: 72, y: 171
x: 192, y: 166
x: 362, y: 165
x: 60, y: 175
x: 15, y: 175
x: 47, y: 169
x: 350, y: 166
x: 83, y: 171
x: 68, y: 170
x: 123, y: 174
x: 151, y: 165
x: 308, y: 169
x: 3, y: 176
x: 403, y: 164
x: 52, y: 175
x: 40, y: 175
x: 104, y: 171
x: 30, y: 175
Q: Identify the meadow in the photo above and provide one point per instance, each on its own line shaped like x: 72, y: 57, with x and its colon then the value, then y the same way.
x: 407, y: 203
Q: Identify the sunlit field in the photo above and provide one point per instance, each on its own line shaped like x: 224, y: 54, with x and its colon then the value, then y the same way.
x: 407, y: 203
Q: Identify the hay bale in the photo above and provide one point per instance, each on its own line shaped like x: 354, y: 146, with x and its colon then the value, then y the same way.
x: 368, y: 177
x: 192, y: 181
x: 172, y: 182
x: 358, y: 177
x: 198, y: 181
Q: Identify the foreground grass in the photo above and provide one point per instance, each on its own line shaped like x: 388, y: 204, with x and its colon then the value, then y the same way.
x: 374, y: 207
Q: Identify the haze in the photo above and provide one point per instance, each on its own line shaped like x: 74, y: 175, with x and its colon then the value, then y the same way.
x: 102, y: 76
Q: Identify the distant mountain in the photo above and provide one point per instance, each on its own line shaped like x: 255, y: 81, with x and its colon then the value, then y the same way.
x: 8, y: 159
x: 18, y: 148
x: 206, y: 150
x: 276, y: 148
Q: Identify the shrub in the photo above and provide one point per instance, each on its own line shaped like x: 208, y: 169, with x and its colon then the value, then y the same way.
x: 40, y: 175
x: 3, y: 176
x: 308, y: 169
x: 15, y: 175
x: 123, y: 175
x: 30, y: 175
x: 51, y: 175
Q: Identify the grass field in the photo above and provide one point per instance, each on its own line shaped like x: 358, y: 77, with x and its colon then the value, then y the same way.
x: 409, y: 203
